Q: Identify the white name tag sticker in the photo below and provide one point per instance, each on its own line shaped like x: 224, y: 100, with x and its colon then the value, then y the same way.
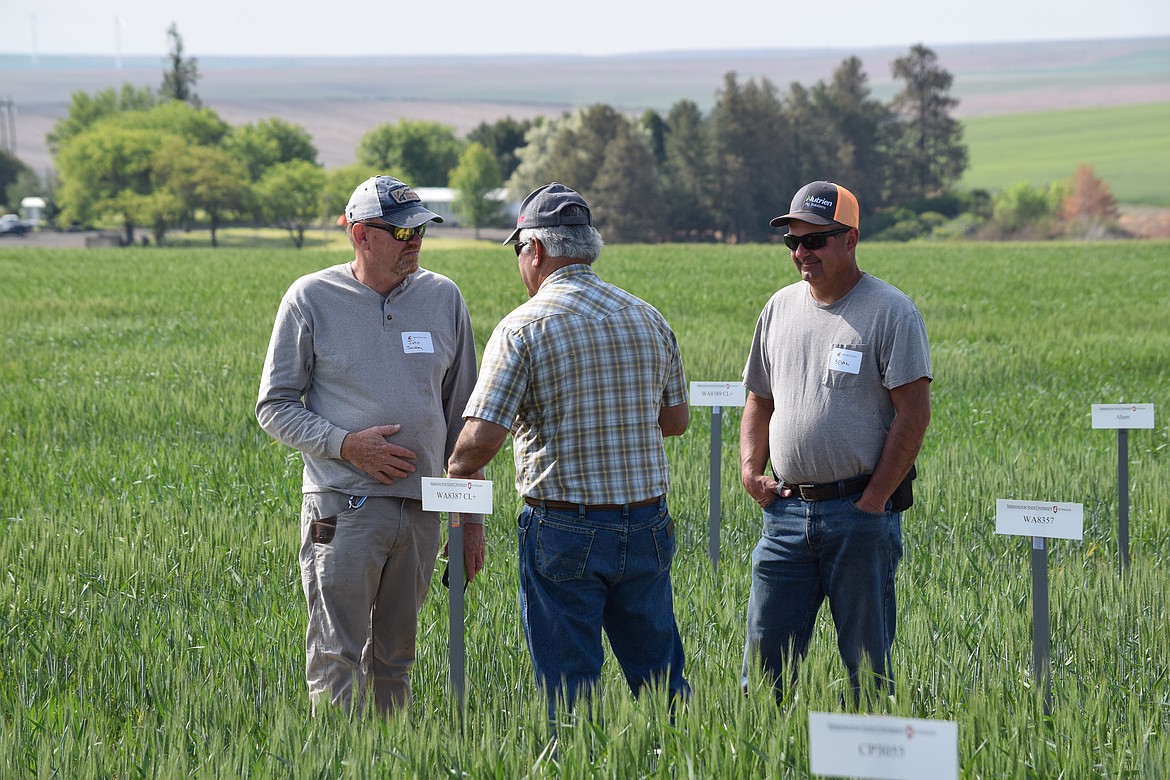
x: 1123, y: 415
x: 845, y: 360
x: 416, y: 341
x: 1050, y: 519
x: 472, y: 496
x: 883, y: 747
x: 718, y: 394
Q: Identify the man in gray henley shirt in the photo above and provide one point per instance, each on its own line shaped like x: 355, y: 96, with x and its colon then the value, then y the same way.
x: 368, y: 371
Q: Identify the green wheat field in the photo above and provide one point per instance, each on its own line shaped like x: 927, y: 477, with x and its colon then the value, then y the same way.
x: 151, y: 616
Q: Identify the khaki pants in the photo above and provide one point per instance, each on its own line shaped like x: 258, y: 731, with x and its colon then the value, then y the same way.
x: 366, y: 571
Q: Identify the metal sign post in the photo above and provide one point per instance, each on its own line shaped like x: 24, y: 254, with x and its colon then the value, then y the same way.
x: 1040, y: 520
x: 1123, y: 499
x: 455, y: 612
x: 1041, y: 627
x: 713, y: 504
x: 457, y: 497
x: 716, y: 395
x: 1123, y: 417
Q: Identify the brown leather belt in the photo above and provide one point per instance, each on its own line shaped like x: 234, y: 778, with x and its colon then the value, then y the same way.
x: 828, y: 490
x: 590, y: 507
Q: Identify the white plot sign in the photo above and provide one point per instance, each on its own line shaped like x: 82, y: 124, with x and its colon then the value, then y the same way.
x: 472, y: 496
x: 1050, y: 519
x: 1128, y: 416
x: 883, y: 748
x: 718, y: 394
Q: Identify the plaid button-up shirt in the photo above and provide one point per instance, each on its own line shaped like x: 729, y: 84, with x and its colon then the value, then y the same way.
x: 579, y: 373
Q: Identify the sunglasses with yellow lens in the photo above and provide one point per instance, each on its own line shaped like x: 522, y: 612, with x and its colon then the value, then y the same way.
x: 399, y: 233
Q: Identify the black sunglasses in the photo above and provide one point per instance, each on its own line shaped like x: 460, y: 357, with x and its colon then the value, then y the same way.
x: 812, y: 241
x: 399, y: 233
x: 519, y: 247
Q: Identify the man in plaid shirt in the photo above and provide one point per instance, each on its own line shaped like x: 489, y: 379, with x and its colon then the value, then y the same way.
x: 588, y: 379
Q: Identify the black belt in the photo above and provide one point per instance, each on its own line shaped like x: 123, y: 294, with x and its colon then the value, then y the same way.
x: 828, y: 490
x: 590, y: 507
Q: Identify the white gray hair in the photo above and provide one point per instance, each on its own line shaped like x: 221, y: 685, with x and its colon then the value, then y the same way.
x: 576, y: 242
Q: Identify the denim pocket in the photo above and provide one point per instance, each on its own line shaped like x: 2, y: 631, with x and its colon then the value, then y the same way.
x: 863, y: 513
x: 562, y: 550
x: 664, y: 542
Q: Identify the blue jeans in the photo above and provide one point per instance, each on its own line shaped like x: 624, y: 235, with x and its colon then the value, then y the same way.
x: 810, y: 551
x: 581, y: 572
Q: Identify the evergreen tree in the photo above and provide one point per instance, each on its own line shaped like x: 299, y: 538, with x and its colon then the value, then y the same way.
x: 687, y: 188
x: 502, y: 138
x: 181, y: 75
x: 857, y: 129
x: 930, y: 155
x: 626, y: 193
x: 747, y: 162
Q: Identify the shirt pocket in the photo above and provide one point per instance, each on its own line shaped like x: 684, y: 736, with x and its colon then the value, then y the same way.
x: 844, y: 365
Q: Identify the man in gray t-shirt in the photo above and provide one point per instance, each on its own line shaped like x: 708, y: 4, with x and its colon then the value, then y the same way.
x: 838, y: 382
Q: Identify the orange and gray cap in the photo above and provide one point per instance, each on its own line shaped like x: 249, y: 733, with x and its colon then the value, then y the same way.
x: 822, y: 203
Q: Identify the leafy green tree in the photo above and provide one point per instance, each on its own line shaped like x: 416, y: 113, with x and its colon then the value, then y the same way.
x: 339, y: 186
x: 502, y: 138
x: 263, y: 144
x: 532, y: 167
x: 475, y: 177
x: 569, y: 150
x: 1023, y: 211
x: 206, y: 179
x: 182, y: 74
x: 198, y: 126
x: 85, y: 110
x: 626, y: 193
x: 290, y: 196
x: 11, y: 169
x: 421, y: 153
x: 106, y: 173
x: 930, y: 154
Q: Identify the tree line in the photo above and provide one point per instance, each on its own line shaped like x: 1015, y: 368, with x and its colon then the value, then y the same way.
x: 160, y: 160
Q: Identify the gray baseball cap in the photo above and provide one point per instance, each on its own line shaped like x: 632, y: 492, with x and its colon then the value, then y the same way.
x: 387, y: 198
x: 543, y: 206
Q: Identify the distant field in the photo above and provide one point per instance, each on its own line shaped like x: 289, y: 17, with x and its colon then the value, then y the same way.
x: 1128, y: 147
x: 320, y: 94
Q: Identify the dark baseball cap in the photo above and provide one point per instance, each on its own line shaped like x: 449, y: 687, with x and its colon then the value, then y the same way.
x: 543, y: 207
x: 822, y: 203
x: 387, y: 198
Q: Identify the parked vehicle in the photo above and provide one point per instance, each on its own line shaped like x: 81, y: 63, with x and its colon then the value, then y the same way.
x: 10, y: 225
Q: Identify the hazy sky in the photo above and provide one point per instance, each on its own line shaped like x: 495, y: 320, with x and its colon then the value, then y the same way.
x: 290, y: 27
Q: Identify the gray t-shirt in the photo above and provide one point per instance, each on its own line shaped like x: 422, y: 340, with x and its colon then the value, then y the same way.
x: 342, y: 358
x: 828, y: 370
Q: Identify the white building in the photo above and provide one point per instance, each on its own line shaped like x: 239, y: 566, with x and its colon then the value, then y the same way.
x: 32, y: 209
x: 440, y: 200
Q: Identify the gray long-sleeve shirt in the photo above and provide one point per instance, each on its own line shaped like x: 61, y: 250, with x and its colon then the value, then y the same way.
x: 342, y: 359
